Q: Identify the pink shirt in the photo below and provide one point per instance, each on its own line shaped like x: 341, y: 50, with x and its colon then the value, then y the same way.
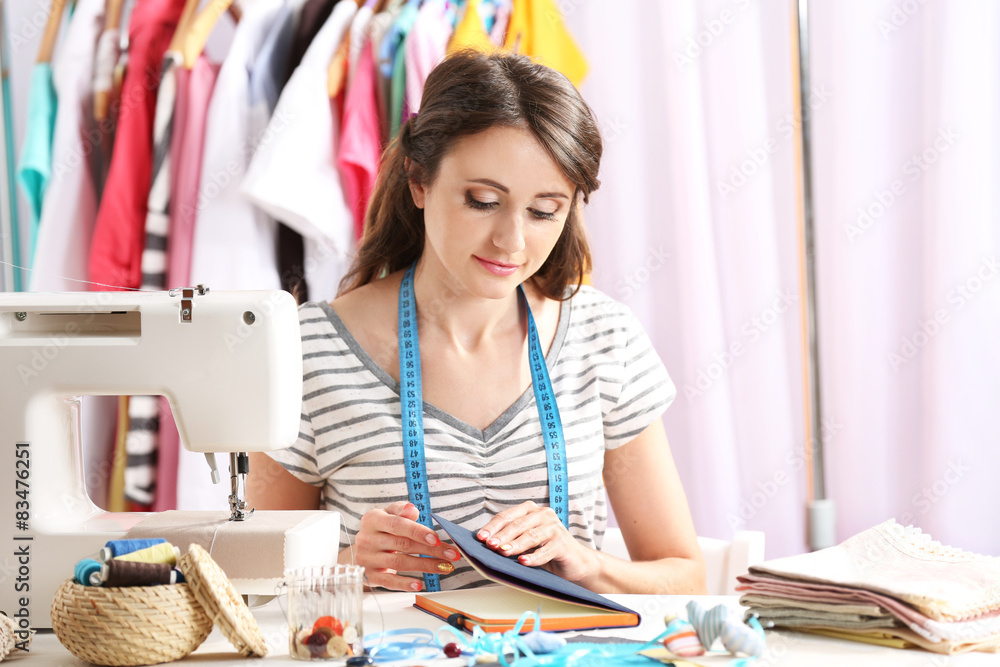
x: 360, y: 140
x: 194, y: 90
x: 426, y: 45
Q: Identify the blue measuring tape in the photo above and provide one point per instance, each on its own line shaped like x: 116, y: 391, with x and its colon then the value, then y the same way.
x: 412, y: 401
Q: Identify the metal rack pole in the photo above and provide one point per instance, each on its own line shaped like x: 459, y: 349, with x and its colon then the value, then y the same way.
x: 821, y: 510
x: 10, y: 279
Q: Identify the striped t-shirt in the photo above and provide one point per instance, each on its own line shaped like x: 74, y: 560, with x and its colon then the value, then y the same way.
x: 610, y: 385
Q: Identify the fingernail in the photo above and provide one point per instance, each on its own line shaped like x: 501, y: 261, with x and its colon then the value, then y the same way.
x: 505, y: 547
x: 451, y: 554
x: 483, y: 535
x: 408, y: 506
x: 446, y: 568
x: 415, y: 586
x: 432, y: 539
x: 524, y: 559
x: 493, y: 542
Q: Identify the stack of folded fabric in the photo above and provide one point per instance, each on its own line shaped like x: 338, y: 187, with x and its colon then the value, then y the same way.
x: 888, y: 585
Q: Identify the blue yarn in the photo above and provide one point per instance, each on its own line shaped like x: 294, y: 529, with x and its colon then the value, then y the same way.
x: 180, y: 577
x: 122, y: 547
x: 84, y: 569
x: 419, y: 645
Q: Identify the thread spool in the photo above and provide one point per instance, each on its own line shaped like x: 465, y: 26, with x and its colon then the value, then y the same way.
x: 87, y: 572
x: 115, y: 548
x: 158, y: 553
x: 116, y: 573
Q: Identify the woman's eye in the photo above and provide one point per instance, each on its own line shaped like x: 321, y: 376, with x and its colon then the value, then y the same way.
x: 542, y: 215
x: 472, y: 202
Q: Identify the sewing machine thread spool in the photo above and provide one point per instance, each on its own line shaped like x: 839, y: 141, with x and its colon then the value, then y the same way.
x: 116, y: 573
x: 88, y: 572
x: 115, y: 548
x: 158, y: 553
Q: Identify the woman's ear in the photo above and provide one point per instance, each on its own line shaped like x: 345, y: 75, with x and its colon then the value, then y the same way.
x: 417, y: 190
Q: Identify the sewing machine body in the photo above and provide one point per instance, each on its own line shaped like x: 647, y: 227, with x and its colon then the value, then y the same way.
x: 228, y: 362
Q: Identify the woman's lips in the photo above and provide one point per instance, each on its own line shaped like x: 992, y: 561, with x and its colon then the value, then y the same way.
x: 496, y: 268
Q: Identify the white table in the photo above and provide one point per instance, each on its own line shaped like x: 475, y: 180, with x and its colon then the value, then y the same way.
x: 783, y: 648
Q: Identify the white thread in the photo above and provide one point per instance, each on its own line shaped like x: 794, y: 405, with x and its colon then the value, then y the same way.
x: 371, y: 588
x: 214, y: 535
x: 77, y: 280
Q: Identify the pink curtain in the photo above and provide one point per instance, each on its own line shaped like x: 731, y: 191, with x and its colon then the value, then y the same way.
x: 695, y: 227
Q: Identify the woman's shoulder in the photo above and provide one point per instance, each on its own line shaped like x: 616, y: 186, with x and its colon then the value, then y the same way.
x: 370, y: 306
x: 591, y: 304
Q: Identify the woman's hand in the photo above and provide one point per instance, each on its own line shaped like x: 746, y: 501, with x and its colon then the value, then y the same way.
x: 536, y: 536
x: 392, y: 540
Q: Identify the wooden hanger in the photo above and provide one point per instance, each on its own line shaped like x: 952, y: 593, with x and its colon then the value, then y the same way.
x: 192, y: 42
x: 112, y: 21
x: 187, y: 14
x: 112, y: 14
x: 51, y: 33
x: 336, y: 72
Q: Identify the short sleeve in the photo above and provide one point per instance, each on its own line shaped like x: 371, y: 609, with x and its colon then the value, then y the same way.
x: 646, y: 388
x: 300, y: 458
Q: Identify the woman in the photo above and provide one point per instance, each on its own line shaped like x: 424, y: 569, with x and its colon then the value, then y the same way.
x: 481, y: 194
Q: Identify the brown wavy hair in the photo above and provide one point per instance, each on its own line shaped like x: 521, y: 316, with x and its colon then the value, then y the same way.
x: 468, y: 93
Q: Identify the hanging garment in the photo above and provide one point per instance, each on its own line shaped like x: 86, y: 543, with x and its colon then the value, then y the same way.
x: 360, y: 140
x: 235, y: 243
x: 157, y: 226
x: 194, y: 92
x: 142, y: 445
x: 380, y: 25
x: 68, y: 213
x: 168, y: 446
x: 35, y: 165
x: 360, y: 35
x: 294, y: 176
x: 392, y: 62
x: 312, y: 17
x: 291, y: 249
x: 116, y: 248
x: 470, y: 33
x: 70, y: 205
x: 498, y: 33
x: 536, y: 29
x: 116, y: 485
x: 105, y: 112
x: 425, y: 47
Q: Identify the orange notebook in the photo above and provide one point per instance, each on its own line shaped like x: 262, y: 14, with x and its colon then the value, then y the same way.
x: 564, y: 605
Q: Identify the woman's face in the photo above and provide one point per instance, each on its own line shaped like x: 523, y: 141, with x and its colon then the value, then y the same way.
x: 494, y: 212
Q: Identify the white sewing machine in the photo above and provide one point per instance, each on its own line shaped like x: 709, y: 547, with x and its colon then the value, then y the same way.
x: 230, y: 364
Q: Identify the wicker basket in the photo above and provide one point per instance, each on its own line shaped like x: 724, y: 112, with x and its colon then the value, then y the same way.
x: 141, y: 625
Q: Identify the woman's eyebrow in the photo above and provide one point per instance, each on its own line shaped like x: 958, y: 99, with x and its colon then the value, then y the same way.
x: 504, y: 189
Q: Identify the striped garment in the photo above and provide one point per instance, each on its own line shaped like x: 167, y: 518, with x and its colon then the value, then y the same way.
x: 143, y: 443
x: 610, y: 382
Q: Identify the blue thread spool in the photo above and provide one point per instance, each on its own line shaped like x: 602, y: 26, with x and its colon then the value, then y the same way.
x: 114, y: 548
x: 85, y: 572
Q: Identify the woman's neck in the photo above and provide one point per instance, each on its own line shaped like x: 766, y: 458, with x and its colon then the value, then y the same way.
x: 463, y: 319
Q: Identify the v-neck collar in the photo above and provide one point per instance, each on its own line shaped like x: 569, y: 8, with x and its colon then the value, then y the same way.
x: 484, y: 435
